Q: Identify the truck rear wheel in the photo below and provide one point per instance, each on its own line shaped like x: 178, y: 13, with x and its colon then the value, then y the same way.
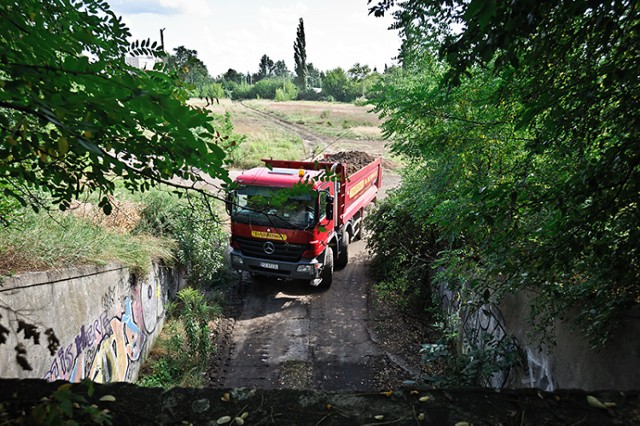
x: 327, y: 271
x: 343, y: 256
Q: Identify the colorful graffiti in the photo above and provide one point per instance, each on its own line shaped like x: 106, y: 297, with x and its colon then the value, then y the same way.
x: 106, y: 349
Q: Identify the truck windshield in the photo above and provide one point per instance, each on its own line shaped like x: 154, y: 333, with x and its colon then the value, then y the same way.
x: 267, y: 206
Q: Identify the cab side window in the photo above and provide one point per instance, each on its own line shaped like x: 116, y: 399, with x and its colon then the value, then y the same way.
x: 322, y: 205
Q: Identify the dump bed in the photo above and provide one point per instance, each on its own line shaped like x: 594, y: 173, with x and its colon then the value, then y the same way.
x: 358, y: 185
x: 359, y: 189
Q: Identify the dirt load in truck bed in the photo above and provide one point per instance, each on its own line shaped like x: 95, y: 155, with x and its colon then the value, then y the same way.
x: 355, y: 160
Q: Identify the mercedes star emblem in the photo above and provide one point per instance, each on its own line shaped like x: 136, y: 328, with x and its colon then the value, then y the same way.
x: 269, y: 247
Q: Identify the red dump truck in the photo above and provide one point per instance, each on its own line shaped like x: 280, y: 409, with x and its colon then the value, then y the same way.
x: 303, y: 235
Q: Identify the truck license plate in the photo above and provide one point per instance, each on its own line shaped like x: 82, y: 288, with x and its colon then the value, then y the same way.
x: 268, y: 265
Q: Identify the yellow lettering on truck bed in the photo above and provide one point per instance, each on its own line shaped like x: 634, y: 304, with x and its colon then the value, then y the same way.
x: 358, y: 187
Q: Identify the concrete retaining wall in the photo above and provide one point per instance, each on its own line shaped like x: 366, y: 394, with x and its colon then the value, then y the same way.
x: 105, y: 320
x: 569, y: 364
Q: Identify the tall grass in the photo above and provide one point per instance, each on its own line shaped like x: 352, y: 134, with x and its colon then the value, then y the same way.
x: 58, y: 240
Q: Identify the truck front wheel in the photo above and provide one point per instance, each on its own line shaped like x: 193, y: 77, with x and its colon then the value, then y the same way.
x: 327, y: 271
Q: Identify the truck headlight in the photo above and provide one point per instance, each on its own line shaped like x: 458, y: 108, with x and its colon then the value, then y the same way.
x: 237, y: 259
x: 305, y: 269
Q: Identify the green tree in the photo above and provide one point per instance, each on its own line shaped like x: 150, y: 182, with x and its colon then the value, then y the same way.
x: 280, y: 69
x: 233, y: 76
x: 314, y: 76
x: 300, y: 57
x: 73, y: 115
x: 188, y: 66
x: 360, y: 74
x: 558, y: 215
x: 265, y: 68
x: 287, y: 92
x: 337, y: 84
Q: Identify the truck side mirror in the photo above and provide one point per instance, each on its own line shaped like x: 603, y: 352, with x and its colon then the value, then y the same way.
x: 229, y: 202
x: 329, y: 208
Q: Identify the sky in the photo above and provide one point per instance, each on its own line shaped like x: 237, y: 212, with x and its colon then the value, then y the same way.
x: 236, y: 33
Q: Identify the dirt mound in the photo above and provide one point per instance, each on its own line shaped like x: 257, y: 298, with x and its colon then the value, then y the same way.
x: 354, y: 160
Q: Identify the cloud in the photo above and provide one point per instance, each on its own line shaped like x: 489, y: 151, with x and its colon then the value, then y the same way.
x: 282, y: 19
x: 140, y: 7
x: 162, y: 7
x: 199, y: 8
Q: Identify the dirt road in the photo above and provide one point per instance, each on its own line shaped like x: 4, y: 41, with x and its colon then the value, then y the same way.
x: 290, y: 335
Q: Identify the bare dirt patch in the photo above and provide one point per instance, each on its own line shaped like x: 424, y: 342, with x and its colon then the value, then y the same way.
x: 367, y: 132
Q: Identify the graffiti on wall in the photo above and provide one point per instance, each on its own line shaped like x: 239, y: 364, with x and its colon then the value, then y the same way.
x: 108, y: 348
x: 483, y: 327
x: 538, y: 371
x: 152, y: 302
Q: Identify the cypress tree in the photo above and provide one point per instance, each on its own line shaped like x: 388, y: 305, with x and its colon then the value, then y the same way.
x: 300, y: 57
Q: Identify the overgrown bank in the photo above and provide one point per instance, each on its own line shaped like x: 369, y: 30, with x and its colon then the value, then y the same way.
x: 182, y: 233
x: 524, y: 167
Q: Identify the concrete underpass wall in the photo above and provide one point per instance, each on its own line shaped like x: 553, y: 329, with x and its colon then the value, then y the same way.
x: 105, y: 318
x: 569, y: 364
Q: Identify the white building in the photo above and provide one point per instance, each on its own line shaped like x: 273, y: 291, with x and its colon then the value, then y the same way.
x: 142, y: 62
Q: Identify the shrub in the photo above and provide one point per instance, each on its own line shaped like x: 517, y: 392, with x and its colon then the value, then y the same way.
x: 200, y: 239
x: 287, y: 92
x: 404, y: 244
x: 185, y: 344
x: 309, y: 95
x: 361, y: 101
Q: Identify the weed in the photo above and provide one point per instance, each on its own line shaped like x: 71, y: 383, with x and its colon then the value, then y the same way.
x: 200, y: 240
x: 195, y: 316
x: 64, y: 406
x: 184, y: 348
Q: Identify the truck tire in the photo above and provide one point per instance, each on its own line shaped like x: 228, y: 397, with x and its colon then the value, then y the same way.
x: 327, y: 271
x: 343, y: 256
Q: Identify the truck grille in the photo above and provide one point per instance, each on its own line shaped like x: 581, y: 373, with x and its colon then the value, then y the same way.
x: 284, y: 251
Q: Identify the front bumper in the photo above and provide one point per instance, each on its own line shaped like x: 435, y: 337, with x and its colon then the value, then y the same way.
x: 304, y: 269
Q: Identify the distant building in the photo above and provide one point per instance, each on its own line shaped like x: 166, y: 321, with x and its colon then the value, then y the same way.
x: 142, y: 62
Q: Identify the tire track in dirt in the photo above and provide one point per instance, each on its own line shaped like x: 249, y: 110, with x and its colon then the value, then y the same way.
x: 292, y: 335
x: 312, y: 142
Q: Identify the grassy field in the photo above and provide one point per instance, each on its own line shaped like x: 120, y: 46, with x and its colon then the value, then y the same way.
x: 332, y: 119
x: 342, y: 127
